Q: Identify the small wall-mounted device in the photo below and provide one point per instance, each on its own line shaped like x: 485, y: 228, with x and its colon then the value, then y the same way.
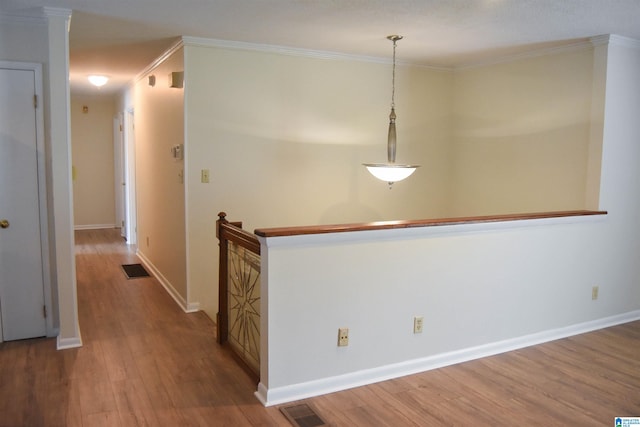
x: 177, y: 151
x: 176, y: 79
x: 152, y: 80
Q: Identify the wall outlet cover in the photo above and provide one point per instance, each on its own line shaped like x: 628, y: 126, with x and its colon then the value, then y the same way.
x: 343, y: 337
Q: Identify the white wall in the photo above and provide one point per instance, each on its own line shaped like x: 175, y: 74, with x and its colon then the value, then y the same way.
x: 521, y: 134
x: 93, y: 162
x: 482, y: 289
x: 284, y: 137
x: 620, y: 176
x: 43, y: 38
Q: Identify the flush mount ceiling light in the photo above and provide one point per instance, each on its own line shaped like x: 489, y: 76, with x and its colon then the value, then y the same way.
x: 391, y: 171
x: 98, y: 80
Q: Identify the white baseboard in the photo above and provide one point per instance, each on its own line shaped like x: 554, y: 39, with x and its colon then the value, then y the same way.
x: 192, y: 307
x: 94, y: 226
x: 67, y: 343
x: 182, y: 303
x: 289, y: 393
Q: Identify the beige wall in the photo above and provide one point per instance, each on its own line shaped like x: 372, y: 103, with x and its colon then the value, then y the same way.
x: 284, y: 138
x: 521, y: 135
x: 92, y: 155
x: 159, y: 125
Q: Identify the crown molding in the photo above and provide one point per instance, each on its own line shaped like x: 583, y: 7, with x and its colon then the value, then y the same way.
x: 327, y: 55
x: 535, y: 53
x: 159, y: 60
x: 281, y: 50
x: 299, y: 52
x: 23, y: 18
x: 617, y: 40
x: 34, y: 16
x: 600, y: 40
x: 56, y: 12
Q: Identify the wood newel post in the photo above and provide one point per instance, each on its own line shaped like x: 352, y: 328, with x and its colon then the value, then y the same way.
x: 223, y: 313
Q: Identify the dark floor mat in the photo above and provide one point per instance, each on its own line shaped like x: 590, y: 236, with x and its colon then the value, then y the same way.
x: 134, y: 270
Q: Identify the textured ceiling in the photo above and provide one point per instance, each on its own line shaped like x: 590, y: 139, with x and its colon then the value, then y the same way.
x: 121, y: 37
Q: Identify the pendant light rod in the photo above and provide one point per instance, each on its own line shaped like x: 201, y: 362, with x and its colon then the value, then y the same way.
x: 391, y: 137
x: 394, y: 38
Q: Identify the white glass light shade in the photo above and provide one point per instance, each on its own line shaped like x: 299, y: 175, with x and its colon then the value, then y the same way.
x: 98, y: 80
x: 390, y: 172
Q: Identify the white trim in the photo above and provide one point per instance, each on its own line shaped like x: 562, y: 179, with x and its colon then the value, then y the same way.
x: 574, y: 46
x: 298, y: 52
x: 166, y: 284
x: 94, y: 226
x: 58, y: 12
x: 534, y: 53
x: 131, y: 206
x: 279, y: 395
x: 67, y: 343
x: 281, y: 50
x: 186, y: 198
x: 617, y: 40
x: 600, y: 40
x: 18, y: 18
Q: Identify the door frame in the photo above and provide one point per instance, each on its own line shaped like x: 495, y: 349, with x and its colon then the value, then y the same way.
x: 45, y: 250
x: 129, y: 160
x: 119, y: 173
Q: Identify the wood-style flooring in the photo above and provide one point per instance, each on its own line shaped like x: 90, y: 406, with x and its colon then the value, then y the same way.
x: 145, y: 362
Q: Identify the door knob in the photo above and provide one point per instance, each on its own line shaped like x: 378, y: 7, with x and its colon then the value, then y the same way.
x: 4, y: 223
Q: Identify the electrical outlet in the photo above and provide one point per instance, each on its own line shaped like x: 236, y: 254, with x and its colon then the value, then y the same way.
x: 343, y: 337
x: 418, y: 323
x: 594, y: 292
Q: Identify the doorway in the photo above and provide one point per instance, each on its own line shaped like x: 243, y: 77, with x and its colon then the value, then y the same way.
x: 125, y: 173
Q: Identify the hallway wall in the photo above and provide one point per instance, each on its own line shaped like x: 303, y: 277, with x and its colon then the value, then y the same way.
x: 93, y: 162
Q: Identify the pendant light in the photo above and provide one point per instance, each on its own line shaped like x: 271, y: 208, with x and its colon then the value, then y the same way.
x: 391, y: 171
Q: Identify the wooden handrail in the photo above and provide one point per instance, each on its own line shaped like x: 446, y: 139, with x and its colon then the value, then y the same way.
x: 232, y: 231
x: 387, y: 225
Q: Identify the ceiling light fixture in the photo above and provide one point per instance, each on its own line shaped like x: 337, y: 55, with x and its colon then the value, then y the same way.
x: 391, y: 171
x: 98, y: 80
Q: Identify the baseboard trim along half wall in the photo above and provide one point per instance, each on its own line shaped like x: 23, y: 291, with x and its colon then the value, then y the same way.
x: 191, y: 307
x: 290, y: 393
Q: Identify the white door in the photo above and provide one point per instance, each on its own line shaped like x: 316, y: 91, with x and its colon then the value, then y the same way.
x: 119, y: 162
x: 21, y: 273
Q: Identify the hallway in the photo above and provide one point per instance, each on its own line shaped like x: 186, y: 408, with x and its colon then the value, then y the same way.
x: 144, y: 362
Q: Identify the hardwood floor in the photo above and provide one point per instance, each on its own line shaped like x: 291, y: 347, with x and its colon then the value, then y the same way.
x: 145, y: 362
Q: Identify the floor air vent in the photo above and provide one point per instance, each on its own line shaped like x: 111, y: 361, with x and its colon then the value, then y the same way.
x: 302, y: 416
x: 134, y: 270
